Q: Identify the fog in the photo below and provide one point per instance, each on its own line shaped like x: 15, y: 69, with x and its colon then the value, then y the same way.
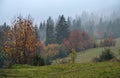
x: 41, y: 9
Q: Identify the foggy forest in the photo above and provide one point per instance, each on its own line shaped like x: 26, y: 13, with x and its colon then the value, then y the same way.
x: 60, y: 39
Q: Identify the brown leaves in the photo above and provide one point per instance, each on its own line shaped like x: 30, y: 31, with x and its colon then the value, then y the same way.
x: 78, y: 40
x: 21, y: 40
x: 51, y: 50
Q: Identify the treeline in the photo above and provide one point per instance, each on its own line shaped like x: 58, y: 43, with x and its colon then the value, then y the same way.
x: 21, y: 43
x: 99, y: 27
x: 108, y: 28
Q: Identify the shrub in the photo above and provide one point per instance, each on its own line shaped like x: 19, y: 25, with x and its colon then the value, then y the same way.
x: 73, y: 55
x: 62, y: 51
x: 50, y: 53
x: 48, y: 60
x: 107, y: 42
x: 96, y: 59
x: 51, y: 50
x: 5, y: 62
x: 105, y: 56
x: 1, y: 59
x: 38, y: 61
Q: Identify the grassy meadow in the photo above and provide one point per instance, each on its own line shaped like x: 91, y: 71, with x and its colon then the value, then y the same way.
x: 83, y: 68
x: 89, y: 70
x: 86, y: 56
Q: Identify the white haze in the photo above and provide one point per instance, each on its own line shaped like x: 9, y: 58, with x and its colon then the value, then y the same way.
x: 41, y: 9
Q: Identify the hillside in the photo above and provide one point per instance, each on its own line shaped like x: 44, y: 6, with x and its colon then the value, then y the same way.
x: 82, y: 69
x: 90, y: 70
x: 86, y: 56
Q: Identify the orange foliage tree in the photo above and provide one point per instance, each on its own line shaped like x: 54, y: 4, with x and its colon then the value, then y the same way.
x: 21, y: 44
x: 50, y: 52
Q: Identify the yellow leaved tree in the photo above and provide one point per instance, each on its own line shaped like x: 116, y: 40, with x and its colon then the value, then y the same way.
x: 22, y: 43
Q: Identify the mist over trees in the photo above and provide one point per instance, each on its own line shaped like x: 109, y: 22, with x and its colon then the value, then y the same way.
x: 62, y: 30
x: 98, y: 26
x: 26, y: 43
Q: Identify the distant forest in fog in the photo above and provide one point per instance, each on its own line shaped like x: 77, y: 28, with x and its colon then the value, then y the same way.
x: 98, y: 26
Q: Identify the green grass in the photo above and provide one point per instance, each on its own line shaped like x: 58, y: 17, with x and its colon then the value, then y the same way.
x: 89, y: 70
x: 86, y: 56
x: 117, y: 42
x: 83, y: 69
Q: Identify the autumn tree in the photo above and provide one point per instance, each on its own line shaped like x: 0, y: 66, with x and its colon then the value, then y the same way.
x: 107, y: 42
x: 88, y: 42
x: 75, y: 41
x: 21, y: 44
x: 50, y: 52
x: 79, y: 41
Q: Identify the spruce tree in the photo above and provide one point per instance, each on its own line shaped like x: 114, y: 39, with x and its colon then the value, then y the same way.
x: 62, y: 30
x: 50, y: 36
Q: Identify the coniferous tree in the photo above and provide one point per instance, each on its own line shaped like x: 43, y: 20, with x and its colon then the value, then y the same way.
x: 76, y: 24
x: 62, y: 30
x: 37, y: 35
x: 69, y: 22
x: 50, y: 35
x: 42, y: 31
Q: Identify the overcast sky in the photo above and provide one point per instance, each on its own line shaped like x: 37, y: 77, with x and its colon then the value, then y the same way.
x: 41, y: 9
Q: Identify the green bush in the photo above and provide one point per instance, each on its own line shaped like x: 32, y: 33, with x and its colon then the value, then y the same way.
x: 38, y: 61
x: 107, y: 42
x: 62, y: 52
x: 105, y: 56
x: 73, y: 55
x: 48, y: 60
x: 2, y: 59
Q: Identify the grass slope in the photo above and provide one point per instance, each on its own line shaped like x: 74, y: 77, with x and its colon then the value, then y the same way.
x: 84, y: 70
x: 89, y: 70
x: 86, y: 56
